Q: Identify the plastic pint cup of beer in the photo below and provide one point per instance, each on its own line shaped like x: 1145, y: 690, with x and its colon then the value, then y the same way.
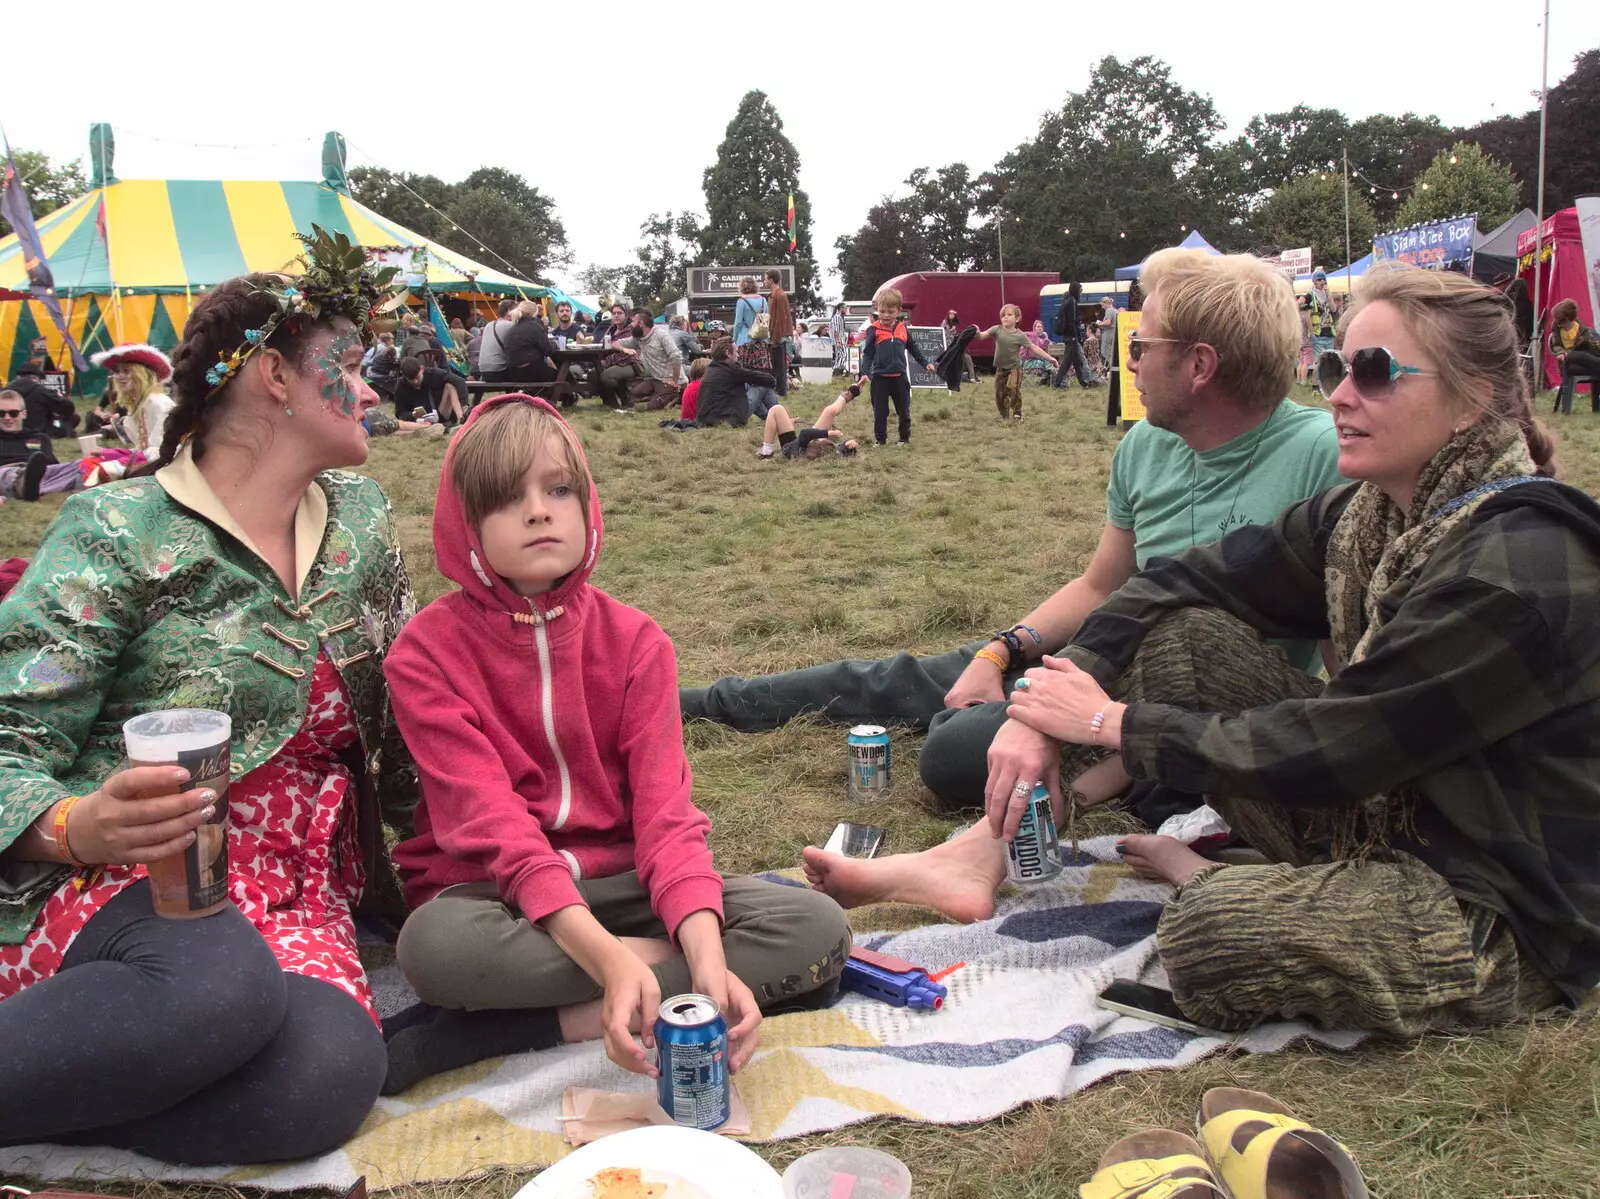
x: 193, y: 882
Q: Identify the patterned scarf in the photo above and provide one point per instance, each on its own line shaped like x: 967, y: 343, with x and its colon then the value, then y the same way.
x: 1377, y: 553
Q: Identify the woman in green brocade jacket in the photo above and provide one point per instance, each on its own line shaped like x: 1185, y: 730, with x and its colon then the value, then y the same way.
x: 252, y: 576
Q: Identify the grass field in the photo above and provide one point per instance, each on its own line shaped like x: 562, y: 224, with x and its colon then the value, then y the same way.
x: 757, y: 566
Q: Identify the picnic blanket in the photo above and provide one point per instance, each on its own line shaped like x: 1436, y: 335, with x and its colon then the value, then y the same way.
x: 1019, y: 1025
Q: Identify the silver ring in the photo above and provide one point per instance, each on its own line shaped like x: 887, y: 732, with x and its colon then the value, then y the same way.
x: 1023, y: 684
x: 1022, y: 789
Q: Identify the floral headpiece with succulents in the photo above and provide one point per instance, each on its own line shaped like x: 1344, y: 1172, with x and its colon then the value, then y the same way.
x: 337, y: 281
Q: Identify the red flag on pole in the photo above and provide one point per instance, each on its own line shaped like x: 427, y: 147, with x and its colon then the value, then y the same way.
x: 791, y: 223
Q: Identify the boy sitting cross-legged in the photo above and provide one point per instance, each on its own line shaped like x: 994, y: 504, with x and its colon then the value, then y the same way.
x: 560, y: 873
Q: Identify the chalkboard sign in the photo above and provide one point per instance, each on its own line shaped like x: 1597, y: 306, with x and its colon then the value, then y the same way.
x: 930, y: 340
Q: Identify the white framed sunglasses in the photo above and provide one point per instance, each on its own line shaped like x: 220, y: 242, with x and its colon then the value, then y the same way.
x: 1374, y: 371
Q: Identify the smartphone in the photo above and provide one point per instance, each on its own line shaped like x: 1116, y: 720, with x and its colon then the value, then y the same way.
x: 1152, y: 1004
x: 856, y: 840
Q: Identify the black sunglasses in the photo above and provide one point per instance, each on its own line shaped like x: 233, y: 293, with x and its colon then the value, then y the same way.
x: 1373, y: 372
x: 12, y: 411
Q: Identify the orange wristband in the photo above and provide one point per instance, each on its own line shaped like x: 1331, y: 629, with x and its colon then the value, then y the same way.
x: 988, y: 655
x: 59, y: 830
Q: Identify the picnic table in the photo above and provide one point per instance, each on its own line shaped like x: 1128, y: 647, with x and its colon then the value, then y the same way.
x: 564, y: 384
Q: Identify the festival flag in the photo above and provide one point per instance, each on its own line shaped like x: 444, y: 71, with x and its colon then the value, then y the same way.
x: 15, y: 208
x: 791, y: 223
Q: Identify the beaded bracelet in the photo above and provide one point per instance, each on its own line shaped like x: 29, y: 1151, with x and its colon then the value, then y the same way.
x: 1095, y: 723
x: 59, y: 830
x: 988, y: 655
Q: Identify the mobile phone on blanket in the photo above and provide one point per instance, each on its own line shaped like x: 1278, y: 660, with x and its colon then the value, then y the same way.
x: 856, y: 840
x: 1152, y: 1004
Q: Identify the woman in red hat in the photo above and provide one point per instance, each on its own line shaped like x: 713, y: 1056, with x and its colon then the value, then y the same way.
x: 141, y: 372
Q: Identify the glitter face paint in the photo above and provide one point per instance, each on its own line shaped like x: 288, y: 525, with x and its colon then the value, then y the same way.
x: 333, y: 375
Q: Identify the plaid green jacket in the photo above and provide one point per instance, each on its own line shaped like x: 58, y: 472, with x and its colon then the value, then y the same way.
x: 1480, y: 695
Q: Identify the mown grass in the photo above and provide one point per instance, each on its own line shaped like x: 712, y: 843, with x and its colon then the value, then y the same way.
x: 758, y: 566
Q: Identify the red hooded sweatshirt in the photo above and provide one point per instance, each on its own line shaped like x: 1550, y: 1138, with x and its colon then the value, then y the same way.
x: 547, y: 736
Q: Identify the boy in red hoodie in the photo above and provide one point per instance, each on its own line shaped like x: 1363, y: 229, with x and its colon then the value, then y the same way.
x: 560, y: 873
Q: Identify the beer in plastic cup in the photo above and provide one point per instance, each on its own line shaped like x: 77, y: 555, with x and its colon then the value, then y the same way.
x: 89, y: 445
x: 193, y: 882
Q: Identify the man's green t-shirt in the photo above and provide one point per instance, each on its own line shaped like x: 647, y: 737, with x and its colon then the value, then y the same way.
x: 1173, y: 498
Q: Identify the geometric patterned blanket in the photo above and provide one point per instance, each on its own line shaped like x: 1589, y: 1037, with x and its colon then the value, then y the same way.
x: 1019, y: 1025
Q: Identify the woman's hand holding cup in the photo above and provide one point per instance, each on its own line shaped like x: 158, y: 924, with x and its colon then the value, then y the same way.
x: 138, y: 816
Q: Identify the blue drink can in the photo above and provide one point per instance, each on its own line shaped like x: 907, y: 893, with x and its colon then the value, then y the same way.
x: 870, y: 761
x: 692, y: 1055
x: 1035, y: 855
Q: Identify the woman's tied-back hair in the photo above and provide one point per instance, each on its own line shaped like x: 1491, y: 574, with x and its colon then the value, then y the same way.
x: 1239, y: 306
x: 1564, y: 313
x: 494, y: 451
x: 214, y: 330
x: 1469, y: 332
x: 748, y: 287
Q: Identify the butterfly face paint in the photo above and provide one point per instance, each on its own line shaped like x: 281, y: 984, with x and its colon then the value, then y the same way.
x: 336, y: 366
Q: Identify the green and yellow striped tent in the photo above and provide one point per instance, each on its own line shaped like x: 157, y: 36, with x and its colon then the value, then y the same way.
x: 132, y: 258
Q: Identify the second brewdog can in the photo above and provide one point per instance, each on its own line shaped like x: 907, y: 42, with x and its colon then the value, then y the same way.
x: 1035, y: 854
x: 870, y: 763
x: 692, y: 1055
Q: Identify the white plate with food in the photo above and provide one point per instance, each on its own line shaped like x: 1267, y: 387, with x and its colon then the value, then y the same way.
x: 663, y: 1161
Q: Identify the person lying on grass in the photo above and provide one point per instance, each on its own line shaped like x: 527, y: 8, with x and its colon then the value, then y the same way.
x: 809, y: 443
x: 560, y: 872
x: 1430, y: 815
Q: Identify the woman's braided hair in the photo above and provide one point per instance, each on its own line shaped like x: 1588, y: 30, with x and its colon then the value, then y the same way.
x: 215, y: 328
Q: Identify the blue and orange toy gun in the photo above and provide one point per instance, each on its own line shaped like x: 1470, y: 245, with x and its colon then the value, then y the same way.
x: 892, y: 980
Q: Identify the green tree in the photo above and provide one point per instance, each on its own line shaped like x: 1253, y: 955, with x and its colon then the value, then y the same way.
x: 747, y: 191
x: 414, y: 201
x: 532, y: 238
x: 1309, y: 211
x: 1285, y: 145
x: 659, y: 273
x: 1462, y: 179
x: 1383, y: 152
x: 49, y: 187
x: 599, y: 280
x: 946, y: 201
x: 1119, y: 171
x: 892, y: 242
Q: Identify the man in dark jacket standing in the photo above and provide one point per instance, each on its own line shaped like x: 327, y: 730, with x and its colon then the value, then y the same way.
x: 48, y: 412
x: 1069, y: 328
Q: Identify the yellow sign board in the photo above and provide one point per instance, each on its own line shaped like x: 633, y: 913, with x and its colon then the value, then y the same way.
x: 1128, y: 387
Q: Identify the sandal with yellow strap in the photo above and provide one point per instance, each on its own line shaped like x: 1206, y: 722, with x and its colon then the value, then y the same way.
x: 1261, y: 1151
x: 1153, y: 1165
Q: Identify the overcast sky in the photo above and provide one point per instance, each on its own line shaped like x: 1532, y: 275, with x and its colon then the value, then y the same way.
x: 616, y: 117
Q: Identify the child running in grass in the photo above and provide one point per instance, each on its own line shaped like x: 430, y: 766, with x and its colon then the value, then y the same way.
x: 885, y: 348
x: 1011, y: 346
x: 560, y: 872
x: 814, y: 442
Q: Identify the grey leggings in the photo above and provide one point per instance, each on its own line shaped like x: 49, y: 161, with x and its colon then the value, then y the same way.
x: 904, y: 691
x: 184, y: 1040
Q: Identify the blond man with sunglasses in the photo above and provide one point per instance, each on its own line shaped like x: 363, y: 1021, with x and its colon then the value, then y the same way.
x: 1221, y: 448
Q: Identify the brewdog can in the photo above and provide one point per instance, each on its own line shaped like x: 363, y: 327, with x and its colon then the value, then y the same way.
x: 692, y: 1055
x: 1035, y: 855
x: 870, y: 763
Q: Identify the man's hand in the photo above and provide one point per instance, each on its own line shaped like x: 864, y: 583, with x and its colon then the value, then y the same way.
x: 980, y: 683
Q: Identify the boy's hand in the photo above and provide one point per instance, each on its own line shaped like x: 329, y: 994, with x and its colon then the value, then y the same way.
x: 631, y: 991
x: 739, y: 1009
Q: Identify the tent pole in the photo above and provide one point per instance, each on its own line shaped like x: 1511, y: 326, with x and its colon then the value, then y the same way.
x: 1538, y: 226
x: 1000, y: 237
x: 1347, y: 259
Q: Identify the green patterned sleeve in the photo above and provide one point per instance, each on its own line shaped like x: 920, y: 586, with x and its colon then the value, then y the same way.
x: 62, y: 633
x: 398, y: 787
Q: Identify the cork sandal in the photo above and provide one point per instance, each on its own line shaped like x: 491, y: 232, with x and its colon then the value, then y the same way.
x: 1261, y: 1151
x: 1156, y: 1164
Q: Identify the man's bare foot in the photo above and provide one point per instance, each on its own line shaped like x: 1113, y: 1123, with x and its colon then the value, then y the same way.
x: 1164, y: 859
x: 958, y: 878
